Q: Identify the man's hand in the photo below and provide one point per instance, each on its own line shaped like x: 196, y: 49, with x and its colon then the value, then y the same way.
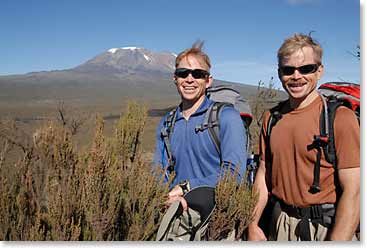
x: 176, y: 194
x: 255, y: 233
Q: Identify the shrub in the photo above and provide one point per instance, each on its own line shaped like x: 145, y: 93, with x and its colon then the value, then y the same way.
x: 51, y: 191
x: 235, y: 203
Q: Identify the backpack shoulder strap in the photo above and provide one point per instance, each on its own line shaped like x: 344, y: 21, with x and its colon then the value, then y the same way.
x: 327, y: 118
x: 324, y: 140
x: 212, y: 123
x: 166, y: 131
x: 214, y: 128
x: 275, y: 116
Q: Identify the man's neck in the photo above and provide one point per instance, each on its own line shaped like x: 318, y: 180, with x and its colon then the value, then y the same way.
x: 188, y: 107
x: 298, y: 103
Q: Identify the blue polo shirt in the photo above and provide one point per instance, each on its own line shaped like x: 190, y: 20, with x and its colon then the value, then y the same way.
x: 197, y: 159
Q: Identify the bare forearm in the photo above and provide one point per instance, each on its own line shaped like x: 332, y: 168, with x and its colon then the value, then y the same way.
x: 255, y: 233
x: 347, y: 217
x: 347, y: 212
x: 261, y: 189
x: 260, y: 206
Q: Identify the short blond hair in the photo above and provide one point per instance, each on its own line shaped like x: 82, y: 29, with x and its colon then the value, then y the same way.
x: 195, y: 50
x: 297, y: 42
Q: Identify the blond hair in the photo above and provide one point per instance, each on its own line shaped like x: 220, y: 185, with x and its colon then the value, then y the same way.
x: 298, y: 42
x: 195, y: 50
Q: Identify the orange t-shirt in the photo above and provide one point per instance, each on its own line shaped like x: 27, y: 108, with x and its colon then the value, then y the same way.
x: 292, y: 164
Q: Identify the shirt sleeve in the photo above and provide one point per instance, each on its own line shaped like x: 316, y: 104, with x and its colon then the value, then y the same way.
x: 262, y: 141
x: 347, y: 138
x: 233, y: 136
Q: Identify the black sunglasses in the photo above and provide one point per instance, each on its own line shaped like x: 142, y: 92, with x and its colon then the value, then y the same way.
x: 305, y: 69
x: 196, y: 73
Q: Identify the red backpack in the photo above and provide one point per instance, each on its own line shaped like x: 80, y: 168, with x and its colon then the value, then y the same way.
x: 334, y: 95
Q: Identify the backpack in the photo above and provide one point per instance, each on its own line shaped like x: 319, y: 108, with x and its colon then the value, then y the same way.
x: 222, y: 95
x: 334, y: 95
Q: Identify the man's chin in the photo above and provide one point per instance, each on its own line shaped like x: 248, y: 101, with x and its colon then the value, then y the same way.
x: 297, y: 94
x: 189, y: 97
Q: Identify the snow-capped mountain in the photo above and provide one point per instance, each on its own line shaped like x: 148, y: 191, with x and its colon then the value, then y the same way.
x: 129, y: 60
x: 113, y: 75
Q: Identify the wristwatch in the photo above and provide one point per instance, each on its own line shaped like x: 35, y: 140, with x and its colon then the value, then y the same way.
x: 185, y: 186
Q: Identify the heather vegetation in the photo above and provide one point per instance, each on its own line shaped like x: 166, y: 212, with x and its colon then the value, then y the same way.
x: 54, y: 192
x: 51, y: 190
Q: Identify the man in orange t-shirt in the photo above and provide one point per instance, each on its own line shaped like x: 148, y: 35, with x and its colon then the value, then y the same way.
x: 286, y: 168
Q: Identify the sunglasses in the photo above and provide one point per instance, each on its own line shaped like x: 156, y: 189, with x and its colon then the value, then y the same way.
x: 305, y: 69
x: 196, y: 73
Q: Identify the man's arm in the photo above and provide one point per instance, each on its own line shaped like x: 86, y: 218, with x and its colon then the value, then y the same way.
x: 160, y: 154
x: 255, y: 233
x: 347, y: 144
x: 348, y: 209
x: 233, y: 137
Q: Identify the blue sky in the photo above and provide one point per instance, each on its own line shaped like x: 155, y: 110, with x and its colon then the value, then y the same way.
x: 241, y: 37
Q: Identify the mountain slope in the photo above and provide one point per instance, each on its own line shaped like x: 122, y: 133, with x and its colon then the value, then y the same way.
x: 109, y: 78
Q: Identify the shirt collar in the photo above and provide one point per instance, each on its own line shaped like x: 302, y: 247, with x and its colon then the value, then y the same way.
x: 203, y: 108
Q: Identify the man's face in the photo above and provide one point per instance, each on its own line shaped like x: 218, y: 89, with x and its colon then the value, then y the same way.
x: 192, y: 89
x: 301, y: 82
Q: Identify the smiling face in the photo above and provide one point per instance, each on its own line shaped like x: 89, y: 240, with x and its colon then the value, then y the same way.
x: 301, y: 88
x: 192, y: 90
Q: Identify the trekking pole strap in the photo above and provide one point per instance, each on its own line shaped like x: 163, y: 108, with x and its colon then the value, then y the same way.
x: 318, y: 143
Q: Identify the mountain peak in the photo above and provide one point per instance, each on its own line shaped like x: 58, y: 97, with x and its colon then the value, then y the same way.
x: 130, y: 60
x: 113, y: 50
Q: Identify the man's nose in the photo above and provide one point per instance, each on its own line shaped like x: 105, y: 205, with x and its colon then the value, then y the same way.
x: 296, y: 74
x: 190, y: 78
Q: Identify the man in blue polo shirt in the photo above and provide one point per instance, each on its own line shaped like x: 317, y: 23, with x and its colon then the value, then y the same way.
x: 196, y: 160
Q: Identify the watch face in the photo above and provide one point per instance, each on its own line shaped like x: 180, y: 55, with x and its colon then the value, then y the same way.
x: 184, y: 186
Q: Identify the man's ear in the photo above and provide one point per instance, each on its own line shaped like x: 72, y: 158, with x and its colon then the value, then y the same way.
x: 279, y: 75
x: 209, y: 81
x: 320, y: 71
x: 174, y: 79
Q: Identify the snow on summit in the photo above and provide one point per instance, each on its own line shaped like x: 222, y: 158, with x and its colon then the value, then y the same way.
x: 113, y: 50
x: 129, y: 48
x: 146, y: 57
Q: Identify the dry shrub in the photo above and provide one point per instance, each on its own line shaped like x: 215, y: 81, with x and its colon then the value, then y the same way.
x: 143, y: 191
x: 235, y: 203
x: 96, y: 190
x: 54, y: 192
x: 40, y: 195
